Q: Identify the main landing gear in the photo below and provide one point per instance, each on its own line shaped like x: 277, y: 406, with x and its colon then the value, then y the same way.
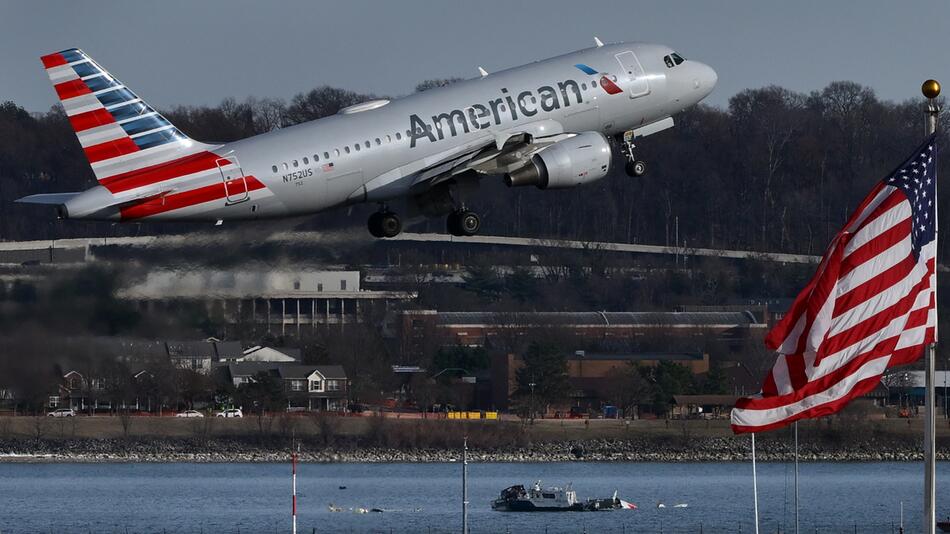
x: 634, y: 167
x: 384, y: 223
x: 463, y: 222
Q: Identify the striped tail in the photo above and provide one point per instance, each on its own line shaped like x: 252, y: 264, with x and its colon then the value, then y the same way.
x: 118, y: 131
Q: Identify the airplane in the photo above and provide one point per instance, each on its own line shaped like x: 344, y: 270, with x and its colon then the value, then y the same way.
x: 552, y: 124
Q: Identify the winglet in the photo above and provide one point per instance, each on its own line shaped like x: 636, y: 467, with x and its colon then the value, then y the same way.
x: 598, y: 42
x: 483, y: 72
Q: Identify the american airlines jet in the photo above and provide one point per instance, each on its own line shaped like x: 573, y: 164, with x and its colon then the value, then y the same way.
x: 548, y: 124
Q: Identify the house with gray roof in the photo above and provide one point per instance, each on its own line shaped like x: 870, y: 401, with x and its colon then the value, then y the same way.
x: 308, y: 387
x: 199, y: 356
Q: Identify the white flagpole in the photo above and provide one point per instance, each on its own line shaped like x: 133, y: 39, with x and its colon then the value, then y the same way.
x: 293, y: 459
x: 930, y: 89
x: 755, y: 487
x: 796, y: 477
x: 465, y: 485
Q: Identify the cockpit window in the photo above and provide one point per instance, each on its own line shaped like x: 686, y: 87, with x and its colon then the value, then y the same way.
x: 669, y: 61
x: 677, y: 58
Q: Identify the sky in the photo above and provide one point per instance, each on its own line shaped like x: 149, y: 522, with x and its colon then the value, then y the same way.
x: 196, y: 53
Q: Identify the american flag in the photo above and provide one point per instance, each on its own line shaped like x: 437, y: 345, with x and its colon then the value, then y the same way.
x: 870, y: 306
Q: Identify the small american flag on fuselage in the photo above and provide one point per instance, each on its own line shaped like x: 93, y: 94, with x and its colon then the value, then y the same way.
x: 327, y: 167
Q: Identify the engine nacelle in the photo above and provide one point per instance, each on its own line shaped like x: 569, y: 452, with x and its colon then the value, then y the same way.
x: 582, y: 159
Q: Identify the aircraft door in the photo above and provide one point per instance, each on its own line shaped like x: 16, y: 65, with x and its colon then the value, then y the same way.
x: 235, y: 183
x: 637, y: 82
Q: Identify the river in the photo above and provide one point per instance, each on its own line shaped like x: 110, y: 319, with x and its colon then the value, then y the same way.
x: 255, y: 498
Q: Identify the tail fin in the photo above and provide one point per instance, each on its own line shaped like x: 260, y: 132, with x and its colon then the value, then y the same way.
x: 119, y: 132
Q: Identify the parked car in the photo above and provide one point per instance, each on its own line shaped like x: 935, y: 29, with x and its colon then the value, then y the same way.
x: 233, y: 412
x: 62, y: 412
x: 190, y: 413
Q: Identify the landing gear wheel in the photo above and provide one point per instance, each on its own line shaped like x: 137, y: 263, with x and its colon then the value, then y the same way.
x: 374, y: 225
x: 468, y: 223
x: 390, y: 225
x: 636, y: 168
x: 463, y: 223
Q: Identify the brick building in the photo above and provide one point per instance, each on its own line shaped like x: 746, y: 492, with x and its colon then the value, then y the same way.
x: 589, y: 374
x: 502, y: 330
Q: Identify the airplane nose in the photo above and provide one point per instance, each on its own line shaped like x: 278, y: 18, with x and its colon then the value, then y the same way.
x: 705, y: 78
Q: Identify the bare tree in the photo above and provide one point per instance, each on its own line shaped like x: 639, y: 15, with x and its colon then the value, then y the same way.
x: 327, y: 424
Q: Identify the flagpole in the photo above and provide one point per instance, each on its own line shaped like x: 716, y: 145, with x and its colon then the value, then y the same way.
x: 465, y: 485
x: 796, y: 477
x: 930, y: 89
x: 755, y: 487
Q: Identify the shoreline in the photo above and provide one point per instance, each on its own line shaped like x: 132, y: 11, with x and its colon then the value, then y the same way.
x: 702, y: 450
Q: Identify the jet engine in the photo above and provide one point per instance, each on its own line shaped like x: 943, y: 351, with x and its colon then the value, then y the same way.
x: 582, y: 159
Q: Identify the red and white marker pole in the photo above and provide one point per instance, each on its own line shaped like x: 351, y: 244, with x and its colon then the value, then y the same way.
x: 293, y: 460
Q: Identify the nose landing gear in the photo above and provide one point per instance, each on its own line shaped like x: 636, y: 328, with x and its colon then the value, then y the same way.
x: 463, y: 222
x: 384, y: 223
x: 634, y: 167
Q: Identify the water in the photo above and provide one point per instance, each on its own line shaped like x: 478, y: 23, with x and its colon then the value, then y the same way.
x: 255, y: 498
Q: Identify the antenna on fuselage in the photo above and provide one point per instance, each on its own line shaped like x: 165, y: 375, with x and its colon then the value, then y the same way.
x: 483, y: 72
x: 598, y: 42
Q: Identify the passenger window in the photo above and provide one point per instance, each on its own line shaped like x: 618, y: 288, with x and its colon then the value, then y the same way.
x: 285, y: 165
x: 346, y: 149
x: 306, y: 160
x: 357, y: 147
x: 326, y: 155
x: 409, y: 134
x: 378, y: 142
x: 274, y: 168
x: 316, y: 158
x: 295, y: 164
x: 367, y: 143
x: 398, y: 136
x: 336, y: 151
x: 389, y: 139
x: 584, y: 86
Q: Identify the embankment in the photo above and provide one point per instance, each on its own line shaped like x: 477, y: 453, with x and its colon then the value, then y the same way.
x: 385, y: 439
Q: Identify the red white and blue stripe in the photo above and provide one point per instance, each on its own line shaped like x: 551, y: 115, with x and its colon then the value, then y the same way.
x: 870, y: 306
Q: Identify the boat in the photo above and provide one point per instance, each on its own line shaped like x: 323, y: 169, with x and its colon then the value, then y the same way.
x: 944, y: 526
x: 553, y: 499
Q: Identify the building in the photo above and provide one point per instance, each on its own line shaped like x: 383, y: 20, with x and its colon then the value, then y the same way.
x: 308, y: 387
x: 201, y: 356
x: 702, y: 406
x: 499, y: 329
x: 258, y: 353
x: 590, y: 374
x: 281, y: 301
x: 195, y: 355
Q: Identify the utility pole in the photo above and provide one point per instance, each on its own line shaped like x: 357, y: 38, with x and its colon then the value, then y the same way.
x: 931, y: 90
x: 531, y: 385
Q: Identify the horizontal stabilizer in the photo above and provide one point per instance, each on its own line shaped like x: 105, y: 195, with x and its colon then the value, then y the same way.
x: 47, y: 198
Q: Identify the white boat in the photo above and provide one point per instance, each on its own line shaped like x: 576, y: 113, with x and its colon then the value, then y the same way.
x: 552, y: 499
